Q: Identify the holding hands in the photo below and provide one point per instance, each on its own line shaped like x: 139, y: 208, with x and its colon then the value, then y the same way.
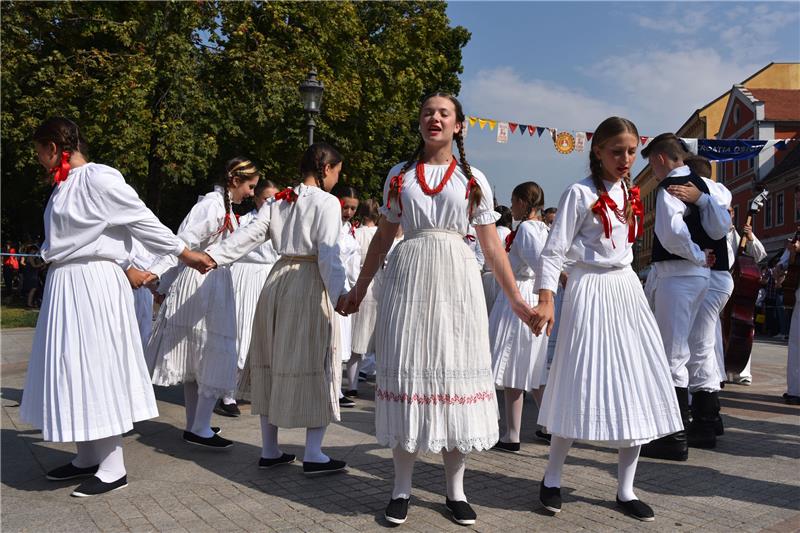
x: 139, y: 278
x: 200, y: 261
x: 349, y: 303
x: 543, y: 316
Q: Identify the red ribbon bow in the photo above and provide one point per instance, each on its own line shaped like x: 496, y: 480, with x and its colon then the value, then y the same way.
x: 600, y: 208
x: 636, y: 228
x: 395, y: 183
x: 353, y: 225
x: 470, y: 238
x: 61, y: 171
x: 510, y: 240
x: 287, y: 194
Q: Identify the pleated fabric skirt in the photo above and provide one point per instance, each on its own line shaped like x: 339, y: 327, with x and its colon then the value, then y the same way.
x: 434, y: 384
x: 345, y: 336
x: 248, y: 282
x: 364, y: 320
x: 490, y: 290
x: 295, y: 367
x: 87, y: 377
x: 143, y: 304
x: 519, y: 358
x: 610, y: 382
x: 194, y: 336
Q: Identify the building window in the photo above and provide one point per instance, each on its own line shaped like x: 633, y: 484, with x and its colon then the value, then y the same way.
x: 768, y: 213
x: 779, y: 209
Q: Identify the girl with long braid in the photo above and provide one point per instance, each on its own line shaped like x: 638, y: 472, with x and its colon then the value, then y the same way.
x: 194, y: 336
x: 295, y: 365
x: 609, y: 382
x: 87, y: 382
x: 434, y: 387
x: 519, y: 358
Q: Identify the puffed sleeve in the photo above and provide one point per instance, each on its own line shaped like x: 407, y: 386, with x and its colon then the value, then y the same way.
x: 391, y: 209
x: 571, y: 213
x: 245, y: 239
x: 118, y: 204
x: 484, y: 212
x: 328, y: 224
x: 530, y: 239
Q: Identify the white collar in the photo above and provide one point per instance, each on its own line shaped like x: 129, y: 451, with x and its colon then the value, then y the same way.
x: 680, y: 171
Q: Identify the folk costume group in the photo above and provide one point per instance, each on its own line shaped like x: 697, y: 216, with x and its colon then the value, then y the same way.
x: 269, y: 305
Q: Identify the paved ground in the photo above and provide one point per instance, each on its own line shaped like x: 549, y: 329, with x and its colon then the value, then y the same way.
x: 751, y: 482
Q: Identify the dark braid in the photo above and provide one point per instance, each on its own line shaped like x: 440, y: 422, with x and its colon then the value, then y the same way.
x: 315, y: 159
x: 475, y: 193
x: 531, y: 193
x: 394, y: 187
x: 62, y: 132
x: 239, y: 168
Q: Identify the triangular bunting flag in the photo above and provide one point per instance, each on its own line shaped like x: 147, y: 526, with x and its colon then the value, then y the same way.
x: 643, y: 139
x: 523, y: 128
x: 589, y: 135
x: 512, y: 126
x: 472, y: 121
x: 553, y: 133
x: 531, y: 129
x: 539, y: 130
x: 482, y: 122
x: 492, y: 124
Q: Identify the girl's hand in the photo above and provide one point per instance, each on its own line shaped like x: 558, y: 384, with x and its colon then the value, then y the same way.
x: 544, y: 316
x: 348, y: 303
x: 138, y: 278
x: 200, y: 261
x: 522, y: 310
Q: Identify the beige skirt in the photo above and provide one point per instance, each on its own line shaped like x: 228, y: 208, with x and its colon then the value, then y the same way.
x: 293, y: 364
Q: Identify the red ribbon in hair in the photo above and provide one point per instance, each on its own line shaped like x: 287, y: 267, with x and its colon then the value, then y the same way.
x: 470, y: 238
x: 636, y: 227
x: 470, y: 184
x: 396, y: 183
x: 510, y: 240
x: 353, y: 225
x: 61, y: 171
x: 287, y: 194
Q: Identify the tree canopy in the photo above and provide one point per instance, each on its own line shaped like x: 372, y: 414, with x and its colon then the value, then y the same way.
x: 167, y: 92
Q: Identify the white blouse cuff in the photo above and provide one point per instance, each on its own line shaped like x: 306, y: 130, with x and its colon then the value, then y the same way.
x: 390, y: 215
x: 485, y: 217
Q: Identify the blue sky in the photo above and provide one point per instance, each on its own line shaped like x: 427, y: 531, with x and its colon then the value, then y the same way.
x: 569, y: 65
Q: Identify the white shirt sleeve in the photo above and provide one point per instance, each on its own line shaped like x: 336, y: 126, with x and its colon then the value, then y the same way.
x: 571, y: 214
x: 484, y: 212
x: 531, y: 243
x: 672, y: 231
x: 201, y: 223
x: 756, y: 249
x: 244, y: 240
x: 392, y: 214
x: 714, y: 215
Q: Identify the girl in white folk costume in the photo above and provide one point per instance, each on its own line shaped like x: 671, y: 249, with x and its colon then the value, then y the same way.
x: 295, y: 367
x: 490, y: 286
x: 249, y: 275
x: 350, y: 250
x: 519, y: 358
x: 434, y: 387
x: 364, y: 320
x: 87, y: 381
x: 609, y: 382
x: 194, y: 337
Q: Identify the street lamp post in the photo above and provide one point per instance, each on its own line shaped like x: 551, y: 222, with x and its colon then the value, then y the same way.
x: 311, y: 91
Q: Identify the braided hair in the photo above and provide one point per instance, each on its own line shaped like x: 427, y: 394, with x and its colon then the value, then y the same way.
x: 610, y: 127
x: 241, y: 169
x: 316, y: 158
x: 63, y: 133
x: 531, y: 194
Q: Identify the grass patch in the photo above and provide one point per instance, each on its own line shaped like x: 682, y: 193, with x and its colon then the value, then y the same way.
x: 16, y: 316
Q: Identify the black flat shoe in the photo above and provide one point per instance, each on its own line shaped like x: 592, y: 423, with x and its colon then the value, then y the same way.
x: 70, y: 471
x: 94, y: 487
x: 285, y: 459
x: 214, y: 429
x: 543, y: 436
x: 215, y: 442
x: 397, y: 511
x: 637, y: 509
x: 351, y: 394
x: 346, y: 402
x: 550, y: 498
x: 508, y: 447
x: 461, y: 512
x: 791, y: 399
x: 231, y: 409
x: 314, y: 469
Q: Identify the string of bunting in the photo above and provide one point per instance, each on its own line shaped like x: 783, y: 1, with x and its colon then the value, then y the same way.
x: 566, y: 142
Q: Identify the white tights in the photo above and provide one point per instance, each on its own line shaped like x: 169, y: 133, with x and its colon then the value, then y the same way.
x: 105, y: 452
x: 626, y: 467
x: 352, y: 371
x: 455, y: 464
x: 271, y: 450
x: 513, y: 401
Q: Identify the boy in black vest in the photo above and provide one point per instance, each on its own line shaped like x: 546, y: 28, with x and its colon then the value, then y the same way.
x: 690, y: 230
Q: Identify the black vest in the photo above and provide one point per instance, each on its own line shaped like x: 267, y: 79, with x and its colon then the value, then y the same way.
x: 699, y: 235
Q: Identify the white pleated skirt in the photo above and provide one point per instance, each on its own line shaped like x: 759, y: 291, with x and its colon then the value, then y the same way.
x: 248, y: 282
x: 87, y: 377
x: 609, y: 382
x: 194, y: 336
x: 345, y: 336
x: 434, y: 384
x: 364, y: 320
x: 143, y: 304
x: 519, y: 358
x: 490, y: 289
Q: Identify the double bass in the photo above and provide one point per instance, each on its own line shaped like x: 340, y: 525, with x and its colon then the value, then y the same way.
x: 792, y: 278
x: 737, y: 316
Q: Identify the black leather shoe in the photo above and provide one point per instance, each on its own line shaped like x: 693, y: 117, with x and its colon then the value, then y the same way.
x: 397, y: 511
x: 214, y: 429
x: 351, y: 394
x: 314, y: 469
x: 508, y: 447
x: 461, y: 512
x: 285, y: 459
x: 346, y: 402
x: 791, y: 399
x: 70, y: 471
x: 543, y: 436
x: 701, y: 432
x: 214, y: 442
x: 231, y: 409
x: 94, y: 487
x: 550, y: 498
x: 637, y: 509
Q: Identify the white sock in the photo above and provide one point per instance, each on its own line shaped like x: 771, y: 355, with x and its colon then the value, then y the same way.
x: 229, y: 399
x: 352, y: 371
x: 190, y: 402
x: 513, y: 401
x: 202, y: 416
x: 87, y: 455
x: 313, y: 452
x: 403, y: 471
x: 269, y: 440
x: 455, y: 464
x: 559, y: 449
x: 626, y: 471
x: 112, y: 466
